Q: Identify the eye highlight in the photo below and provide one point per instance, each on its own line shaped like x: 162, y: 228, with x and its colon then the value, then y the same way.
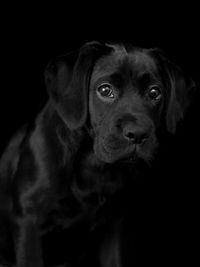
x: 106, y: 92
x: 154, y: 92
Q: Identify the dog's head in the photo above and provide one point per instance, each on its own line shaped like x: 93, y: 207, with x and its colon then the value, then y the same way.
x: 127, y: 92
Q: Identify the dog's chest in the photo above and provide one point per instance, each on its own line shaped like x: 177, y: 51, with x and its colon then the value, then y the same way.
x: 90, y: 190
x: 93, y: 182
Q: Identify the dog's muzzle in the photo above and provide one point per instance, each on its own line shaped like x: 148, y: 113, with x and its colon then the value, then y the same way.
x: 130, y: 143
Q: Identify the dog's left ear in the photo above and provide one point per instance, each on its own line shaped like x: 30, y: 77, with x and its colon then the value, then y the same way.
x: 67, y: 78
x: 179, y: 90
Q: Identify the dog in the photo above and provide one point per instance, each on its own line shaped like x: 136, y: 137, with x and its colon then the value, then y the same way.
x: 108, y: 106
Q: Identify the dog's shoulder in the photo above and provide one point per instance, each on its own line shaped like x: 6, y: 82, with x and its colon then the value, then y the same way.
x: 10, y: 157
x: 19, y: 151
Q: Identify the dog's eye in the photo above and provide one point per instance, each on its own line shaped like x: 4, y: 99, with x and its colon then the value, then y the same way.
x: 106, y: 91
x: 154, y: 92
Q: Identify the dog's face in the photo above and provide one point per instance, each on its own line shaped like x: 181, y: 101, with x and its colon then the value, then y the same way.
x: 126, y: 100
x: 125, y: 92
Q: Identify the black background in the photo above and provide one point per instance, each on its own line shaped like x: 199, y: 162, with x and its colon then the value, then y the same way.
x: 32, y: 35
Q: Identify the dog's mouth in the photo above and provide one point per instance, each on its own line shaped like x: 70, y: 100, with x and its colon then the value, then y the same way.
x: 130, y: 159
x: 123, y: 152
x: 128, y: 154
x: 134, y: 158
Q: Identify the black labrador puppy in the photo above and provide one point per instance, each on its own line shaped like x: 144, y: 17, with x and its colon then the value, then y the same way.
x: 108, y: 104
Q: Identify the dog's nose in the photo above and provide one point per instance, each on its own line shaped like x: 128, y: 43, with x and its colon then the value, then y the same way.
x: 135, y: 135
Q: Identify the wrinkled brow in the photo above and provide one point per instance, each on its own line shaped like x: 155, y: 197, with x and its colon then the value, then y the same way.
x: 137, y: 66
x: 108, y: 65
x: 148, y: 77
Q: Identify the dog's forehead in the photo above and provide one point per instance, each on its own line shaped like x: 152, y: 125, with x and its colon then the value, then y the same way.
x: 137, y: 61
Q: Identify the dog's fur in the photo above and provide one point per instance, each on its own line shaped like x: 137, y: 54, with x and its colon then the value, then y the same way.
x: 70, y: 167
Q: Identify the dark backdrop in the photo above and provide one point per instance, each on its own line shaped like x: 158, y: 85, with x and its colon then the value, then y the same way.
x: 32, y: 36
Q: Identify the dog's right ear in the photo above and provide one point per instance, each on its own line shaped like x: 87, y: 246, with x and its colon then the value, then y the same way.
x: 67, y: 81
x: 180, y: 89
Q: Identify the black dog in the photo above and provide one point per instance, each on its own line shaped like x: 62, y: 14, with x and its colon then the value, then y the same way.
x: 107, y: 106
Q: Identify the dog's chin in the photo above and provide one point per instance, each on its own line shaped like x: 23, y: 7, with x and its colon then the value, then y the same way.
x: 129, y: 155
